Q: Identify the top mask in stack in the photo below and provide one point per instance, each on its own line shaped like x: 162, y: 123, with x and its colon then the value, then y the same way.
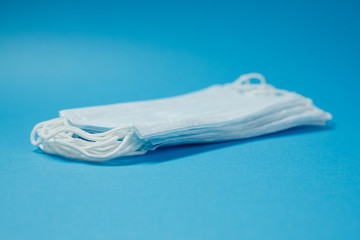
x: 241, y: 109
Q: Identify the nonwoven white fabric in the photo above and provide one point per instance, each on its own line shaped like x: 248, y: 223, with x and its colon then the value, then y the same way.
x: 237, y: 110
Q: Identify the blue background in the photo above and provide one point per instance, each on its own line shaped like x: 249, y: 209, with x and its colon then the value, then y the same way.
x: 302, y: 183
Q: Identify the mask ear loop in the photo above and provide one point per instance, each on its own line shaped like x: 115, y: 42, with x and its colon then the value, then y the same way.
x: 58, y: 136
x: 244, y: 86
x: 245, y: 79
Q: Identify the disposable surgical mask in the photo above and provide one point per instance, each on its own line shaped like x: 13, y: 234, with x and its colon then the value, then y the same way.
x: 236, y: 110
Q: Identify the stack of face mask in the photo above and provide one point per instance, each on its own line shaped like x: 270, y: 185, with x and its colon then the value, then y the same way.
x: 236, y: 110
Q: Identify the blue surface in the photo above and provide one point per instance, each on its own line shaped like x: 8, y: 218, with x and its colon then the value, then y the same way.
x: 299, y: 184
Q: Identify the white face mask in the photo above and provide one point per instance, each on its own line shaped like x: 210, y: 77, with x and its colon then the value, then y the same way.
x: 221, y: 112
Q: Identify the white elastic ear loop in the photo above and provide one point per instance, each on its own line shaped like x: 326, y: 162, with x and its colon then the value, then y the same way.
x: 120, y: 149
x: 56, y: 136
x: 245, y: 78
x: 56, y: 127
x: 243, y: 85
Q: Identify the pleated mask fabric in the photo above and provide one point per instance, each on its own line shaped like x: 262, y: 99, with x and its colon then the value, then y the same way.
x: 240, y: 109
